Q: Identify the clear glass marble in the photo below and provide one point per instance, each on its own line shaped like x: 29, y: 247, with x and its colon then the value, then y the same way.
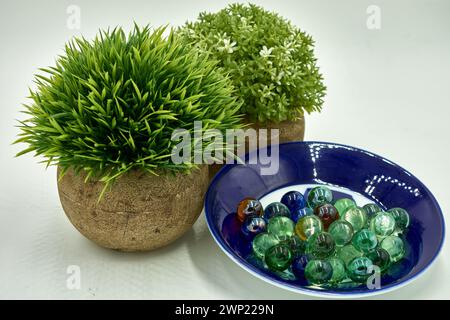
x: 356, y: 216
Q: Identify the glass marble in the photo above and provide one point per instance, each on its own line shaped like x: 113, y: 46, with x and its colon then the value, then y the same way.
x: 307, y: 226
x: 319, y: 195
x: 276, y: 209
x: 348, y: 253
x: 318, y: 271
x: 293, y: 200
x: 282, y: 228
x: 371, y: 209
x: 356, y: 216
x: 380, y: 258
x: 339, y: 272
x: 296, y: 245
x: 365, y: 240
x: 321, y: 245
x: 262, y: 242
x: 343, y: 204
x: 253, y: 226
x: 327, y: 213
x: 394, y: 246
x: 278, y: 257
x: 299, y: 264
x: 359, y: 269
x: 249, y: 207
x: 383, y: 224
x: 401, y: 217
x: 296, y: 214
x: 342, y: 232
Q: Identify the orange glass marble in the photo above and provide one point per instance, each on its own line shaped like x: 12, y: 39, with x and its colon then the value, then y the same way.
x: 249, y: 207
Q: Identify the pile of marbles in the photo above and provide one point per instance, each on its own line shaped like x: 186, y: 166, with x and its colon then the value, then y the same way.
x: 323, y: 241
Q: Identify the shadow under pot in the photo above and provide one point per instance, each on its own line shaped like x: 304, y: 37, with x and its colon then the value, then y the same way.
x: 140, y: 212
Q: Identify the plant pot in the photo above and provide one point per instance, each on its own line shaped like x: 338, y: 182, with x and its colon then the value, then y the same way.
x: 141, y: 211
x: 288, y: 131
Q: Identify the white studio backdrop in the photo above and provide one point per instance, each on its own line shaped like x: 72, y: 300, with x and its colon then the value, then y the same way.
x: 388, y: 92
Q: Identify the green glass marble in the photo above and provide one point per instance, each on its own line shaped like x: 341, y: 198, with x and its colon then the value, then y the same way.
x: 359, y: 269
x: 296, y: 245
x: 371, y: 209
x: 278, y: 257
x: 401, y: 217
x: 343, y: 204
x: 318, y: 271
x: 307, y: 226
x: 383, y: 224
x: 348, y: 253
x: 356, y: 216
x: 262, y: 242
x: 339, y: 272
x: 282, y: 228
x: 394, y: 246
x: 319, y: 195
x: 341, y: 231
x: 321, y: 245
x: 380, y: 258
x: 365, y: 240
x: 276, y: 209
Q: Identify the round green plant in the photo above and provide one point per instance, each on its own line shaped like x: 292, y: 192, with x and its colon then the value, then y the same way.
x: 270, y: 61
x: 112, y: 104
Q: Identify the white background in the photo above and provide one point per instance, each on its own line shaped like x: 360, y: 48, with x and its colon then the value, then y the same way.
x: 388, y: 92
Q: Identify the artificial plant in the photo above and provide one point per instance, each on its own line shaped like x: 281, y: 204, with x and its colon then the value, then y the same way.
x: 110, y: 105
x: 270, y: 61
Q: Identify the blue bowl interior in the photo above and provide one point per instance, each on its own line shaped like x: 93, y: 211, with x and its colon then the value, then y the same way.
x: 374, y: 177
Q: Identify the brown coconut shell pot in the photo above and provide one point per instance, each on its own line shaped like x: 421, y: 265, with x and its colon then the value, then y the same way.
x: 141, y: 211
x: 288, y: 131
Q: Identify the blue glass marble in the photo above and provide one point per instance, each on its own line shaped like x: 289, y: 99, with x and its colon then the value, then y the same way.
x: 253, y: 226
x: 299, y: 265
x: 276, y: 209
x: 293, y: 200
x: 297, y: 214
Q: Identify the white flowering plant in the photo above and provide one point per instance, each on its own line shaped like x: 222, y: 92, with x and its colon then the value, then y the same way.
x: 270, y: 61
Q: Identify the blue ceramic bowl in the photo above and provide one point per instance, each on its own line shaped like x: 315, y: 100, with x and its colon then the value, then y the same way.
x: 350, y: 172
